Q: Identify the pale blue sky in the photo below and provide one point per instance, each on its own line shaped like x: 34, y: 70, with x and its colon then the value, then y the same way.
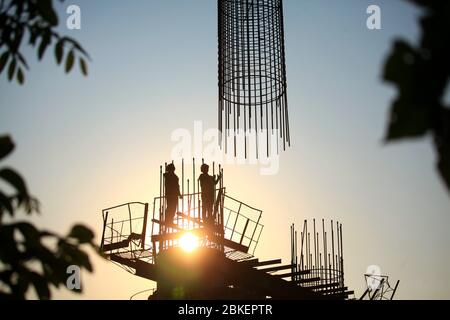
x: 88, y: 143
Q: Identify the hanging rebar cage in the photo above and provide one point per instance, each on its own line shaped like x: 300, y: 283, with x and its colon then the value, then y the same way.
x: 253, y: 108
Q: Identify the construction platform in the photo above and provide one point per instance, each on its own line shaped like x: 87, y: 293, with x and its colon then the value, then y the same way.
x: 220, y: 263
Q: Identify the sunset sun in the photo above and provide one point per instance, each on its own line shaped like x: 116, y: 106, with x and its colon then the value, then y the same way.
x: 189, y: 242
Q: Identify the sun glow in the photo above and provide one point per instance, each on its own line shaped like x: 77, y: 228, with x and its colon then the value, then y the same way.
x: 189, y: 242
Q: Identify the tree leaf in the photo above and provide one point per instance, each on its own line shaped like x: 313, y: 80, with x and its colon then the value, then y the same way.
x: 43, y: 46
x: 22, y: 60
x: 48, y: 13
x: 20, y: 77
x: 442, y: 142
x: 15, y: 180
x: 81, y: 233
x: 33, y: 36
x: 75, y: 256
x: 69, y: 61
x: 59, y: 51
x: 398, y: 67
x: 40, y: 284
x: 12, y: 69
x: 77, y: 46
x: 408, y: 120
x: 443, y: 166
x: 5, y: 205
x: 30, y: 233
x: 83, y: 67
x: 3, y: 60
x: 6, y: 146
x: 5, y: 277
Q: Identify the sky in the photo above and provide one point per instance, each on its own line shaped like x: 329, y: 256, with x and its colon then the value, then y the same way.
x: 85, y: 144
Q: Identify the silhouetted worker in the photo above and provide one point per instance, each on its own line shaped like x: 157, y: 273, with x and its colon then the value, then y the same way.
x: 208, y: 185
x: 172, y: 191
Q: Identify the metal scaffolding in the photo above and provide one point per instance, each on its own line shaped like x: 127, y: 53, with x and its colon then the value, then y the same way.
x: 133, y: 233
x: 253, y: 108
x: 379, y: 288
x: 222, y: 266
x: 320, y: 266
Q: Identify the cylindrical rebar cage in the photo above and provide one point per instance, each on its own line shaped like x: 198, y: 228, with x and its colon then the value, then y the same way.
x: 321, y: 260
x: 252, y: 77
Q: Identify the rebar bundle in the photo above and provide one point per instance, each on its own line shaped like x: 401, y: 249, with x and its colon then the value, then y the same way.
x: 321, y: 255
x: 253, y: 108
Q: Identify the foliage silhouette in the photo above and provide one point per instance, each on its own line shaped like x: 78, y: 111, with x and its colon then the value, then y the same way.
x: 37, y: 20
x: 422, y: 73
x: 32, y: 258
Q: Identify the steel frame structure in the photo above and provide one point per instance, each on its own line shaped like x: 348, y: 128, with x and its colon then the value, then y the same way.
x: 253, y: 107
x: 379, y: 288
x: 321, y: 260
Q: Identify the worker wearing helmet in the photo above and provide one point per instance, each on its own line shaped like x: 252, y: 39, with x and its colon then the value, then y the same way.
x: 207, y: 184
x: 172, y: 192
